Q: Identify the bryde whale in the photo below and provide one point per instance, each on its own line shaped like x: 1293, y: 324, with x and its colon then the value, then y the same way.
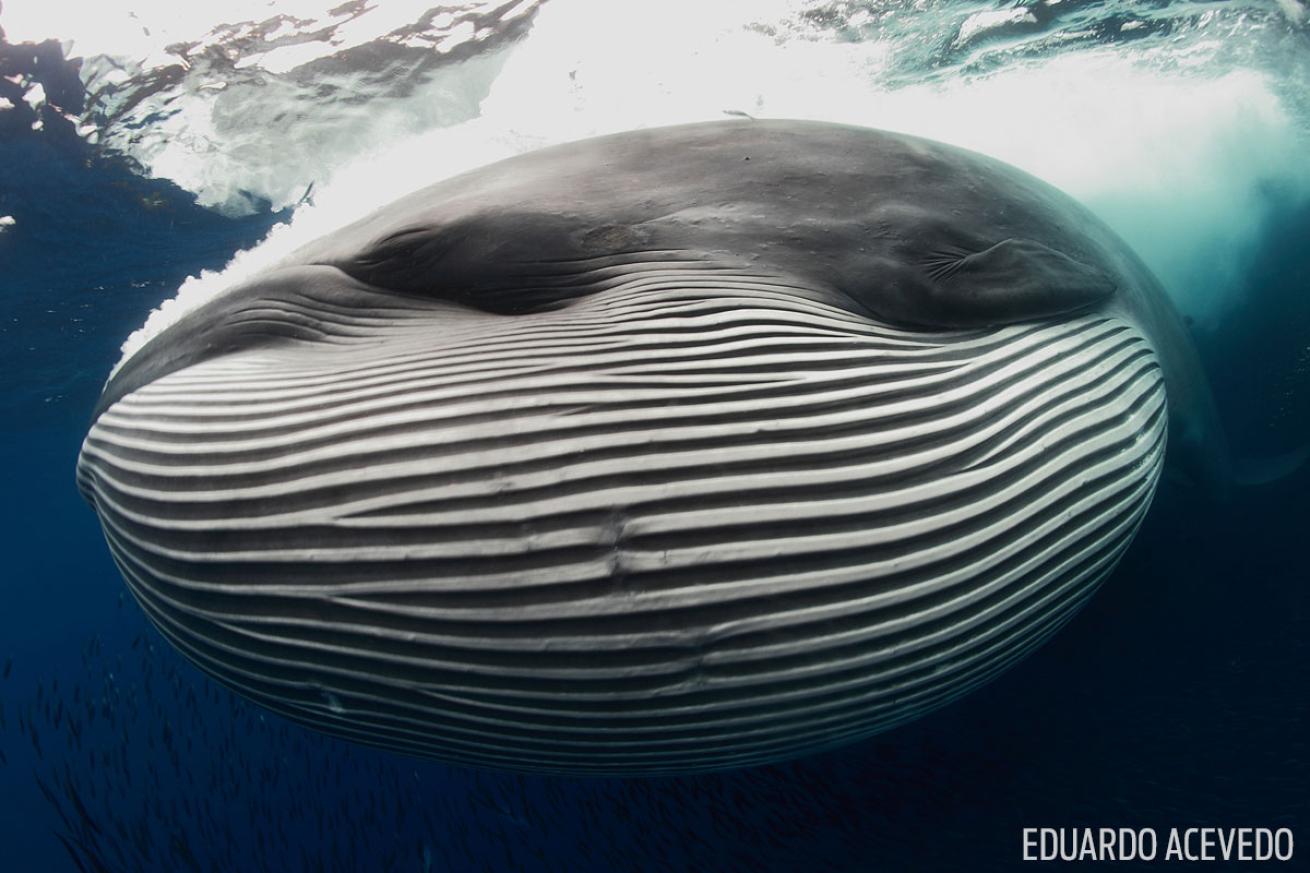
x: 666, y: 451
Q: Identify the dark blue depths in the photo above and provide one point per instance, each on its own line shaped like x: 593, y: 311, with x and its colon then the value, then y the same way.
x: 1177, y: 698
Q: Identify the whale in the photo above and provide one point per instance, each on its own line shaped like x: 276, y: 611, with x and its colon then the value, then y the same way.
x: 674, y: 450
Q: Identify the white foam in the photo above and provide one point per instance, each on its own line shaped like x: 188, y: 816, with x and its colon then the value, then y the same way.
x: 35, y: 96
x: 990, y: 21
x: 144, y: 29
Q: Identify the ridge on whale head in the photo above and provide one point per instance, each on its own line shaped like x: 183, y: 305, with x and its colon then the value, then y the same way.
x: 669, y: 450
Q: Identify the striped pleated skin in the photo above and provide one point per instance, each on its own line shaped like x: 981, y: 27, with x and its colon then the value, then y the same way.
x: 691, y: 520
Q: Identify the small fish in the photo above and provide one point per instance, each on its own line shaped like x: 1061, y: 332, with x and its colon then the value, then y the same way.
x: 9, y: 667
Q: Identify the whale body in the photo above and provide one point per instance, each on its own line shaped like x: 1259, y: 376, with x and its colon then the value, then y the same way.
x: 673, y: 450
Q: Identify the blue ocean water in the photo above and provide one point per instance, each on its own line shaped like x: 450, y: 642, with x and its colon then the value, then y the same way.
x: 1177, y: 698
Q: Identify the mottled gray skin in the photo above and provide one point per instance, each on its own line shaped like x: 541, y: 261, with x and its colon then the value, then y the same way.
x: 904, y: 230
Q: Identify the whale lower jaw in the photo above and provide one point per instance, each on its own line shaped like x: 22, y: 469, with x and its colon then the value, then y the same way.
x: 665, y: 528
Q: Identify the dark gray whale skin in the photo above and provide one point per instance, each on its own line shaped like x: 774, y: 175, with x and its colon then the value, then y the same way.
x: 668, y: 451
x: 910, y: 231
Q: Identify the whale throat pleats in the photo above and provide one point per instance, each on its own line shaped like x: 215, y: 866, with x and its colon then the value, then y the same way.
x: 691, y: 520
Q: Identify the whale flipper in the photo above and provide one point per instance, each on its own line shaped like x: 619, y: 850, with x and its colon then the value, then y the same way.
x: 1267, y: 470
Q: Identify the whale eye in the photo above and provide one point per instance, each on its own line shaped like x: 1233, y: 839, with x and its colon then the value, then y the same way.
x: 986, y: 262
x: 401, y: 249
x: 512, y: 262
x: 1014, y: 280
x: 416, y: 259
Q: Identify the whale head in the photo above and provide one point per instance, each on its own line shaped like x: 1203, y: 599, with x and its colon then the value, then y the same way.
x: 672, y: 450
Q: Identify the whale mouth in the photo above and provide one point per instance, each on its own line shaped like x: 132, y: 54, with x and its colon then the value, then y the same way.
x: 688, y: 521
